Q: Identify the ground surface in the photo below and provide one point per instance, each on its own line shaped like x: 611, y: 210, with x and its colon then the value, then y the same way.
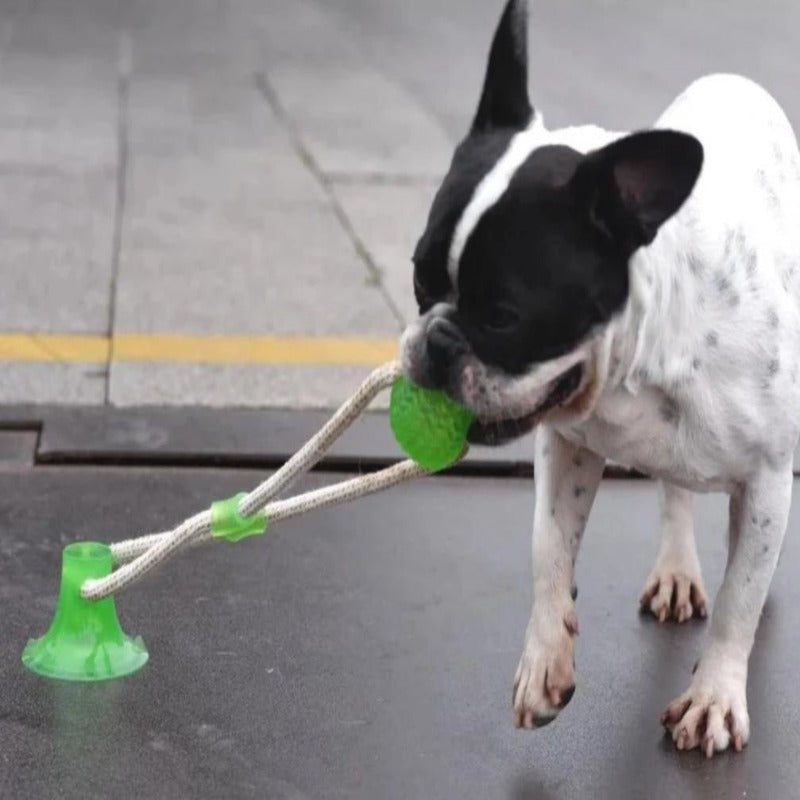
x: 367, y: 651
x: 260, y: 168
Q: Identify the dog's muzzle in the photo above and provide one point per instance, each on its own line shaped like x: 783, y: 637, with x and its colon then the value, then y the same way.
x: 499, y: 431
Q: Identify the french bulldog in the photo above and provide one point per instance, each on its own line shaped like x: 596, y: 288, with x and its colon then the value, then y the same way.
x: 637, y: 297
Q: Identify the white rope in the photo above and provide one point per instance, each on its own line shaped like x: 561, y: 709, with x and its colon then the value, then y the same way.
x: 136, y: 557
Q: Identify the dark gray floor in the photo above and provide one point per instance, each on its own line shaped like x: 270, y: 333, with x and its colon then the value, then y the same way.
x: 367, y: 652
x: 197, y: 436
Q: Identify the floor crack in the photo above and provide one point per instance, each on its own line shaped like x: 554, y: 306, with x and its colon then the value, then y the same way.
x: 269, y: 94
x: 123, y: 96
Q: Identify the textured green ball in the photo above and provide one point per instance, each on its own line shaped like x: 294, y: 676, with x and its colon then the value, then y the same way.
x: 428, y: 425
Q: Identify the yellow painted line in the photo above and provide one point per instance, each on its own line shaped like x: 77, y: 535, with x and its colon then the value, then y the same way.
x: 288, y: 350
x: 252, y: 349
x: 53, y: 347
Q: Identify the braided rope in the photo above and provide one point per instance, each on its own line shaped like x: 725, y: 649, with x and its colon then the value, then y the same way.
x: 136, y: 557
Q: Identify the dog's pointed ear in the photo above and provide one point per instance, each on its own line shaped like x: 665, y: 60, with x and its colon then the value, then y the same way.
x: 632, y: 186
x: 504, y: 101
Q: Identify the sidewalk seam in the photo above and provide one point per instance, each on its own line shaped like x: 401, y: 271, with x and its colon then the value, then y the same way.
x: 123, y: 92
x: 267, y: 91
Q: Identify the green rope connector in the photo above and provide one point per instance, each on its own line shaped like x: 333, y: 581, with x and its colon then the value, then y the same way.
x: 228, y: 523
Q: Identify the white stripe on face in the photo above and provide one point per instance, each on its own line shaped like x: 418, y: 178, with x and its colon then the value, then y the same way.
x: 491, y: 189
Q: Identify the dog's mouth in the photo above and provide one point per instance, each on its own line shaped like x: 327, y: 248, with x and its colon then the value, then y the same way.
x: 498, y: 431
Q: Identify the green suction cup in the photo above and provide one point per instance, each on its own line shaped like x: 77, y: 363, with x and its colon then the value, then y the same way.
x: 428, y: 425
x: 85, y: 641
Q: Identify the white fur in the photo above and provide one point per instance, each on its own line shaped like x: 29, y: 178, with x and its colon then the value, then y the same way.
x: 696, y: 381
x: 711, y: 333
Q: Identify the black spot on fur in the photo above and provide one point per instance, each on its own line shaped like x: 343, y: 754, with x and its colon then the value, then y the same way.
x: 712, y: 339
x: 766, y: 522
x: 728, y: 244
x: 670, y: 411
x: 577, y: 461
x: 765, y: 549
x: 695, y: 363
x: 722, y: 282
x: 772, y: 318
x: 579, y: 490
x: 773, y: 368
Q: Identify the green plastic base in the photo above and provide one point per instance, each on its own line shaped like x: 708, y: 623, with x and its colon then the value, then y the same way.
x: 85, y: 641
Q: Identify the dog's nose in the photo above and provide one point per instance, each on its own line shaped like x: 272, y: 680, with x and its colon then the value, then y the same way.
x: 443, y: 344
x: 444, y: 340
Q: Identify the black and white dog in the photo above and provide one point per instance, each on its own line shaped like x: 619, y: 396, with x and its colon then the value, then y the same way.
x: 638, y: 298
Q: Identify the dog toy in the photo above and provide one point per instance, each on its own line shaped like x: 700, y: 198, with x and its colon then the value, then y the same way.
x: 85, y: 641
x: 428, y: 425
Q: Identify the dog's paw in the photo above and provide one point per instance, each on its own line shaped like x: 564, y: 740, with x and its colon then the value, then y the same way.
x: 712, y: 713
x: 674, y: 590
x: 545, y: 678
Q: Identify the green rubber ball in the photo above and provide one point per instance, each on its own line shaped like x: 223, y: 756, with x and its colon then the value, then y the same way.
x: 429, y: 426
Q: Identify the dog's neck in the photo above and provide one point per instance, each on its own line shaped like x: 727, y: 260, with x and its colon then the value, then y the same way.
x: 649, y: 341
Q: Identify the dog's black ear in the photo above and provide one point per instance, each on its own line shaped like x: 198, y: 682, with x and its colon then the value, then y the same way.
x: 632, y: 186
x: 504, y: 101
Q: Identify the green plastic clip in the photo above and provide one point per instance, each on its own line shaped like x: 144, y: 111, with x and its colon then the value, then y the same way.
x: 228, y: 523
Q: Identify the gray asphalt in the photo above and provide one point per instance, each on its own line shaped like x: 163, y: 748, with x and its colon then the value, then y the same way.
x: 367, y: 651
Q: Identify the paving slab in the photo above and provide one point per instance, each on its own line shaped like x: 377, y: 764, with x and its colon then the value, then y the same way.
x: 351, y: 117
x: 234, y: 386
x: 273, y: 161
x: 367, y: 651
x: 226, y: 230
x: 57, y: 233
x: 615, y: 63
x: 389, y: 218
x: 58, y: 154
x: 46, y: 382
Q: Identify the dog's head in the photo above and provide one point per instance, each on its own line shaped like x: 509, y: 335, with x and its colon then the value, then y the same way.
x: 525, y: 254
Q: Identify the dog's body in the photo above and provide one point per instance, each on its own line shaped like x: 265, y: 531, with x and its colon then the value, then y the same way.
x: 702, y: 375
x: 683, y: 362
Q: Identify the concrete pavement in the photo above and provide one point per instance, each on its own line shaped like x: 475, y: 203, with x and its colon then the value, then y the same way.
x: 257, y: 169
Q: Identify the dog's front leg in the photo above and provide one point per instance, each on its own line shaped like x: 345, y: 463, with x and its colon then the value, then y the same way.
x: 567, y: 477
x: 712, y: 713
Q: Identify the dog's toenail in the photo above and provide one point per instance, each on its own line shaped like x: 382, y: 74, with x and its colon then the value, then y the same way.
x: 567, y: 695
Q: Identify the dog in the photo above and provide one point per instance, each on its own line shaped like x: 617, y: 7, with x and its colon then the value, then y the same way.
x: 636, y: 298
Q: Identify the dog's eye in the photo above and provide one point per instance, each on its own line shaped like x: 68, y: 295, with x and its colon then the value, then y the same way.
x: 501, y: 319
